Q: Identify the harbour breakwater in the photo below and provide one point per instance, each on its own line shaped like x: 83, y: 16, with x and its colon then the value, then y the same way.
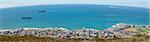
x: 117, y: 33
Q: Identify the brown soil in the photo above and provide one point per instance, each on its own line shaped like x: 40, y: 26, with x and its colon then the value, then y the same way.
x: 137, y: 38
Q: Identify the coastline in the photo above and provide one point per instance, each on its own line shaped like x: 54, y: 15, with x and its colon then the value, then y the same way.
x: 118, y: 31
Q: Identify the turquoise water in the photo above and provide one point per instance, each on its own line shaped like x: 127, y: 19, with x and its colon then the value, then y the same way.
x: 73, y: 16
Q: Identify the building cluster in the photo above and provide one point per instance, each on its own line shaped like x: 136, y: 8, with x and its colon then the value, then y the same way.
x: 116, y: 31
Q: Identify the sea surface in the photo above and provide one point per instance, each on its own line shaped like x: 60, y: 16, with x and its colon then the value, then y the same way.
x: 72, y: 16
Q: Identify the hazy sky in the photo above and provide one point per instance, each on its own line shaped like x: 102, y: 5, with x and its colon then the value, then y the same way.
x: 71, y: 0
x: 14, y: 3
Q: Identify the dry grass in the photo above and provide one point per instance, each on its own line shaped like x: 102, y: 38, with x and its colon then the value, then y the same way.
x: 137, y: 38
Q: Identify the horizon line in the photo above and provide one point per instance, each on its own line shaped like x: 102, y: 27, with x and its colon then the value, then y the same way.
x: 3, y: 6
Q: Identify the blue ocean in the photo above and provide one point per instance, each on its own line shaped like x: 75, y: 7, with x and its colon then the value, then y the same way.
x: 72, y: 16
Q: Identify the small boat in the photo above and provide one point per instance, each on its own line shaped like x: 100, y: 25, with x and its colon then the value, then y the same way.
x: 26, y: 18
x: 42, y: 11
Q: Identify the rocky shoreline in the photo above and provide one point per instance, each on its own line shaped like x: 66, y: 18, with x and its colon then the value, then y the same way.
x: 118, y: 31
